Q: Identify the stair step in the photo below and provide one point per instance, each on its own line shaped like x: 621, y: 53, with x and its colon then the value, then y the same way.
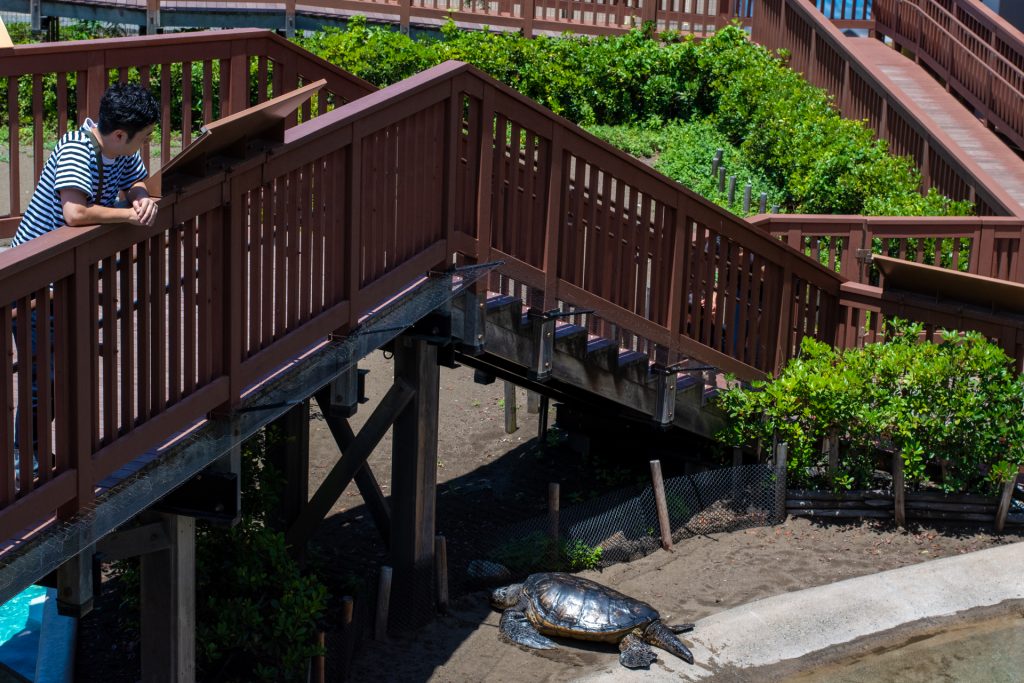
x: 500, y: 301
x: 631, y: 358
x: 563, y: 331
x: 598, y: 344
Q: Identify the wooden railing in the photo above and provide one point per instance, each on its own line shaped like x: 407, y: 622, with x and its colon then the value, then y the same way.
x: 154, y: 328
x: 587, y: 17
x: 820, y: 52
x: 227, y: 71
x: 964, y: 57
x: 989, y: 247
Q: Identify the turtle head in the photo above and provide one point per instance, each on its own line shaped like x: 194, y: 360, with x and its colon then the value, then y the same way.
x: 507, y: 596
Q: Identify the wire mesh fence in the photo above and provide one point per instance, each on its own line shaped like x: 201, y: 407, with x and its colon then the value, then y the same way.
x: 623, y: 526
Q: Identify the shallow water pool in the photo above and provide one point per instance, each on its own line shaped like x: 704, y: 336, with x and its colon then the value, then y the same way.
x: 990, y: 651
x: 14, y: 613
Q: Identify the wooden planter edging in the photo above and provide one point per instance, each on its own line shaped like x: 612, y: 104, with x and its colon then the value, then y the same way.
x: 921, y: 506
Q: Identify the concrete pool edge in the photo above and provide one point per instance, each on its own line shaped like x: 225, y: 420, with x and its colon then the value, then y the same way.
x: 792, y: 625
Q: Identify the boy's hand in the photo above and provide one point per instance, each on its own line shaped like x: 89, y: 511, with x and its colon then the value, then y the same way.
x: 145, y: 210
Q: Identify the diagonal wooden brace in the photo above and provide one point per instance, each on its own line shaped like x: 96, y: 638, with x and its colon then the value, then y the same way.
x: 351, y: 461
x: 369, y: 489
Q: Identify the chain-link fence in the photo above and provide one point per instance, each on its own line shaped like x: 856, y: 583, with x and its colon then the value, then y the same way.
x: 623, y: 526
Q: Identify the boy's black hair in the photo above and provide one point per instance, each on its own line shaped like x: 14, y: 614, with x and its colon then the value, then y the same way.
x: 128, y: 107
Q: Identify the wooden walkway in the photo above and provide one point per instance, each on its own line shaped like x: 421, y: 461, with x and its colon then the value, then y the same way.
x: 979, y: 145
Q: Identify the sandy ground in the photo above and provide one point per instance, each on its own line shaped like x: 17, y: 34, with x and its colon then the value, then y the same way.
x: 488, y: 478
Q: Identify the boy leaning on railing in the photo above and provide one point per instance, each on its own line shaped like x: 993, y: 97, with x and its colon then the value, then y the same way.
x: 94, y: 175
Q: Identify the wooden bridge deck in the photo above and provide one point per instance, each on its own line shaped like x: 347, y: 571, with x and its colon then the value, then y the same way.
x: 983, y: 148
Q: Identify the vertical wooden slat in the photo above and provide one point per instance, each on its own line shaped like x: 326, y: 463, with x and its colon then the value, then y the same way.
x: 14, y: 153
x: 44, y: 346
x: 554, y: 222
x: 62, y: 103
x: 190, y: 347
x: 208, y: 224
x: 6, y: 408
x: 321, y: 200
x: 186, y: 103
x: 24, y: 417
x: 208, y: 90
x: 165, y: 113
x: 307, y: 220
x: 293, y: 236
x: 261, y: 79
x: 158, y: 252
x: 37, y: 125
x: 62, y: 381
x: 254, y: 270
x: 146, y: 82
x: 127, y: 348
x: 281, y: 208
x: 109, y: 330
x: 143, y: 283
x: 270, y: 256
x: 174, y: 314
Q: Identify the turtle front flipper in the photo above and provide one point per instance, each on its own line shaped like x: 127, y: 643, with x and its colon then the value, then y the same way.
x: 662, y: 636
x: 634, y: 653
x: 516, y: 628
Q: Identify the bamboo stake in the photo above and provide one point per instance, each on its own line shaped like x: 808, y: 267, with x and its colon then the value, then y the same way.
x: 781, y: 453
x: 1004, y: 503
x: 510, y: 408
x: 380, y: 631
x: 441, y: 569
x: 553, y: 519
x: 659, y: 500
x: 898, y: 492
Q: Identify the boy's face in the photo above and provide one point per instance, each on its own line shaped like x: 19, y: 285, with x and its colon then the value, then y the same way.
x: 125, y: 145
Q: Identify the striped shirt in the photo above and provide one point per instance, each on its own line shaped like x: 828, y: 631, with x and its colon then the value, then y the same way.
x: 72, y: 164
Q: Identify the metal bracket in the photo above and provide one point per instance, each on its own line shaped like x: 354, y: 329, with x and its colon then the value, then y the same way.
x: 544, y: 339
x: 864, y: 255
x: 348, y: 391
x: 680, y: 367
x: 665, y: 406
x: 209, y: 495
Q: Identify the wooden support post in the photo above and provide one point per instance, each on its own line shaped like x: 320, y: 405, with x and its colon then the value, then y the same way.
x: 414, y: 481
x: 658, y: 484
x: 542, y: 423
x: 532, y: 402
x: 168, y: 605
x: 347, y: 637
x: 898, y: 492
x: 1004, y: 501
x: 319, y: 674
x: 380, y: 624
x: 152, y: 17
x: 288, y: 451
x: 289, y: 18
x: 781, y: 454
x: 75, y: 580
x: 554, y: 520
x: 441, y: 562
x: 510, y: 408
x: 231, y: 462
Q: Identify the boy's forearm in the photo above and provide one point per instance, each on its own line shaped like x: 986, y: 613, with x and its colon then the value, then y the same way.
x: 94, y: 214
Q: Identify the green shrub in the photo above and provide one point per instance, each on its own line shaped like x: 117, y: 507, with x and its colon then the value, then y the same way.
x: 953, y: 410
x: 256, y: 612
x: 534, y: 553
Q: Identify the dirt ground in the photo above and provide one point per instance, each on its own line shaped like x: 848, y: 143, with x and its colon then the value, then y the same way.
x: 487, y: 479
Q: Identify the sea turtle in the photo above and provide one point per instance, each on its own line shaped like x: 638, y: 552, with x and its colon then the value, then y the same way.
x: 557, y: 604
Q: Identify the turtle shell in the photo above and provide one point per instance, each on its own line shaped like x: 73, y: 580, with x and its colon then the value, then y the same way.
x: 574, y: 607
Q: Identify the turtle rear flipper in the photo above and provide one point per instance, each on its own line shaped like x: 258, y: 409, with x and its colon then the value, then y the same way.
x: 680, y: 628
x: 634, y: 653
x: 516, y: 628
